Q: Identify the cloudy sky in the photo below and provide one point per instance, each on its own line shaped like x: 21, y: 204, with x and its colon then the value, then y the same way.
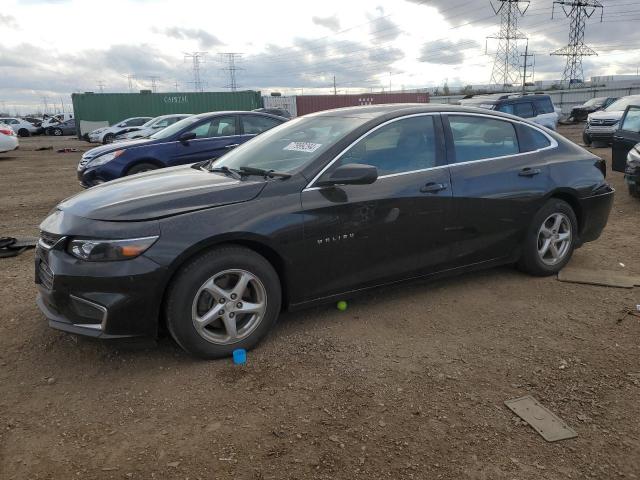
x: 51, y: 48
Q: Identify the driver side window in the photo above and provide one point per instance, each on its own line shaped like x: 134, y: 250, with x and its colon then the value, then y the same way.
x: 401, y: 146
x: 631, y: 121
x: 216, y: 127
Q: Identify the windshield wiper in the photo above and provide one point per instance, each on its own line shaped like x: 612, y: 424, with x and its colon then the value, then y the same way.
x: 262, y: 172
x: 229, y: 171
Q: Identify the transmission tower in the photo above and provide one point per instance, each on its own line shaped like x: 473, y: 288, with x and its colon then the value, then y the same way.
x: 196, y: 58
x: 230, y: 59
x: 506, y: 64
x: 131, y: 78
x: 154, y: 83
x: 579, y: 11
x: 101, y: 86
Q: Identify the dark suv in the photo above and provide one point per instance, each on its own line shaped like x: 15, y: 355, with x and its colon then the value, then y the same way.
x: 199, y: 137
x: 537, y: 108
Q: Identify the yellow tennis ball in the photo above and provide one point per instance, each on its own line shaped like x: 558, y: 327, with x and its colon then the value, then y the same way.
x: 342, y: 305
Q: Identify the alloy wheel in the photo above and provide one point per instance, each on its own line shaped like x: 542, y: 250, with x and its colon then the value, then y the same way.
x: 229, y: 306
x: 554, y: 239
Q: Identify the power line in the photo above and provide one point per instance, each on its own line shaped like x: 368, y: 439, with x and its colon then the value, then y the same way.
x: 197, y: 58
x: 578, y: 11
x: 230, y: 59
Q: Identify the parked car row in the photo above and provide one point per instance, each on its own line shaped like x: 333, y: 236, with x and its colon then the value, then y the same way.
x: 192, y: 139
x: 60, y: 124
x: 306, y: 211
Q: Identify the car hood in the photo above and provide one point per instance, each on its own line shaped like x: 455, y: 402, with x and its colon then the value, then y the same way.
x: 602, y: 115
x: 112, y: 147
x: 160, y: 193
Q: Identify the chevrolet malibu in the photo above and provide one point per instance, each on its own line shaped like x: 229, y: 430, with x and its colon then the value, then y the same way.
x: 314, y: 210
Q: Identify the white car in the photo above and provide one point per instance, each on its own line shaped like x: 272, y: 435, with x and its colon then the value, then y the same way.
x: 601, y: 125
x: 20, y: 126
x: 8, y: 139
x: 152, y: 126
x: 108, y: 134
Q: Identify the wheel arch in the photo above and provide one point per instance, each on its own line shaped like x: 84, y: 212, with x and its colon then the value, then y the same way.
x: 571, y: 197
x: 256, y: 243
x: 140, y: 161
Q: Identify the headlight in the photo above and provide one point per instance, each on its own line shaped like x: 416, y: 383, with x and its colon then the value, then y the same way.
x: 95, y: 250
x: 107, y: 157
x: 633, y: 158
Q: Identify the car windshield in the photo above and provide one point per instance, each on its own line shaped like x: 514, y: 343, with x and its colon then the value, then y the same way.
x: 175, y: 128
x: 292, y: 145
x: 620, y: 105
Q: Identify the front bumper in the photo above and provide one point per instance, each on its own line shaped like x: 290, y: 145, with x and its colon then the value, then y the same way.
x: 99, y: 299
x: 95, y: 139
x: 600, y: 133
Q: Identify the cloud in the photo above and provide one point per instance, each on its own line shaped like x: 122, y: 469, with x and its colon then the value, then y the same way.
x: 8, y: 21
x: 382, y: 29
x: 204, y: 38
x: 446, y: 52
x: 332, y: 22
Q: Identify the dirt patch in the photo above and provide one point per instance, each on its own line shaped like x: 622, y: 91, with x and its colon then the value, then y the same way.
x: 407, y: 383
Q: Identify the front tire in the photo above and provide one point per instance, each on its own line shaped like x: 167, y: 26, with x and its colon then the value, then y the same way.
x: 108, y: 138
x: 586, y: 139
x: 225, y: 299
x: 550, y: 240
x: 141, y: 167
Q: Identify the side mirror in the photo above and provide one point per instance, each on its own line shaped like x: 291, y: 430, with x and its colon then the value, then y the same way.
x: 349, y: 174
x: 186, y: 136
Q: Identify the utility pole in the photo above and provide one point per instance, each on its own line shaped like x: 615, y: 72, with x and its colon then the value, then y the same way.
x: 525, y: 65
x: 196, y: 58
x: 579, y: 11
x: 230, y: 59
x: 176, y: 85
x: 506, y: 63
x: 335, y: 92
x: 389, y: 82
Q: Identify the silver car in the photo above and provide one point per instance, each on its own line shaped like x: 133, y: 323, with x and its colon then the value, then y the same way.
x: 152, y: 126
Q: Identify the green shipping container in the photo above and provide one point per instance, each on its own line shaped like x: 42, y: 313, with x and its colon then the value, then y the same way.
x: 95, y: 110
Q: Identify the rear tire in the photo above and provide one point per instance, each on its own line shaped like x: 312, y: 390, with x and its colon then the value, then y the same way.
x: 550, y: 240
x: 23, y: 132
x: 203, y: 291
x: 142, y: 167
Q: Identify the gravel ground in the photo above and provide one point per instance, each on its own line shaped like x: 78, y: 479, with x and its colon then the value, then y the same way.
x: 409, y: 382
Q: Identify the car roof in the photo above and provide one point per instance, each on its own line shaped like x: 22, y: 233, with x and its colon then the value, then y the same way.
x: 235, y: 112
x: 399, y: 109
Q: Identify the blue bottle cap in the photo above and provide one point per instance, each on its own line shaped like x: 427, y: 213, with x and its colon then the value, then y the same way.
x: 239, y: 356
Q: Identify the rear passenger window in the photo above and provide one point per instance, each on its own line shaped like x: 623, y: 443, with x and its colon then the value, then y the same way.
x: 476, y: 138
x: 524, y: 110
x: 532, y: 139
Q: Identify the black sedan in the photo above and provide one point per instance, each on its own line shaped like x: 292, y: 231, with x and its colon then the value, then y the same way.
x: 316, y: 210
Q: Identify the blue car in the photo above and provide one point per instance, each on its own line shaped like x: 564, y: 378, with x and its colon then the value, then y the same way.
x: 196, y: 138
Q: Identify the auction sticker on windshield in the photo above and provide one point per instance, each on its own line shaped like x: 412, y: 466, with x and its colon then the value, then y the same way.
x: 303, y: 147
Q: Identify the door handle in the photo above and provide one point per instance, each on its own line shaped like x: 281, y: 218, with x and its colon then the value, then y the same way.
x: 433, y: 187
x: 233, y: 145
x: 529, y: 172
